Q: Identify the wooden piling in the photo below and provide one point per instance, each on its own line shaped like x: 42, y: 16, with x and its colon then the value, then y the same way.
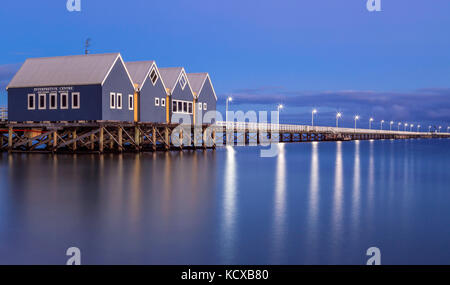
x: 101, y: 140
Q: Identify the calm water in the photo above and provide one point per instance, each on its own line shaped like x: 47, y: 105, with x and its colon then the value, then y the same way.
x: 316, y: 203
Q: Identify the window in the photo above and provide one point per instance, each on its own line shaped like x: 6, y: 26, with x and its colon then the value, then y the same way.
x: 119, y: 101
x: 31, y: 101
x: 174, y: 106
x: 156, y: 101
x: 75, y: 100
x: 64, y: 100
x: 204, y: 106
x: 53, y: 103
x: 182, y: 106
x: 163, y: 102
x: 42, y: 103
x: 130, y: 102
x: 112, y: 100
x: 200, y: 106
x: 183, y: 81
x: 153, y: 76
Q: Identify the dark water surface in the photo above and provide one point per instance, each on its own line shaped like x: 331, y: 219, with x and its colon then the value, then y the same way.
x: 316, y: 203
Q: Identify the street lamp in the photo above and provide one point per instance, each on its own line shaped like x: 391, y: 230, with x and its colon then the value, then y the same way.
x: 410, y: 128
x: 406, y: 124
x: 448, y: 128
x: 382, y: 122
x: 338, y: 115
x: 399, y: 124
x: 429, y: 129
x: 370, y: 123
x: 312, y: 117
x: 229, y: 99
x: 418, y: 128
x: 356, y: 119
x: 440, y: 128
x: 280, y: 106
x: 390, y: 125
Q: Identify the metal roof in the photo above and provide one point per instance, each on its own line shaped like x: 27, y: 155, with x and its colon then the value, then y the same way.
x: 64, y: 70
x: 139, y: 70
x: 170, y: 76
x: 197, y: 80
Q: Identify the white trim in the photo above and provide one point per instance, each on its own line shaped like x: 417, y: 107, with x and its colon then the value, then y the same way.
x: 200, y: 105
x: 73, y: 101
x: 66, y: 94
x: 176, y: 82
x: 34, y: 101
x: 119, y: 101
x: 159, y: 76
x: 42, y: 95
x: 184, y: 78
x: 130, y: 106
x: 55, y: 95
x: 163, y: 102
x: 203, y: 84
x: 124, y: 66
x: 153, y: 69
x: 112, y: 100
x: 156, y: 101
x: 205, y: 107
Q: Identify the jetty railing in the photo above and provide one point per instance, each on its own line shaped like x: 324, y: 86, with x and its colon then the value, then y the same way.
x: 3, y: 113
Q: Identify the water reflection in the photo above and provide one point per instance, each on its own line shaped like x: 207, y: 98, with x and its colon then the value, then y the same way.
x: 356, y: 201
x: 313, y: 203
x: 280, y: 204
x: 338, y: 201
x: 229, y: 206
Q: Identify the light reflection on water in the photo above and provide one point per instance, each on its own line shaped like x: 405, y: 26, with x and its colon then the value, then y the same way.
x: 319, y: 203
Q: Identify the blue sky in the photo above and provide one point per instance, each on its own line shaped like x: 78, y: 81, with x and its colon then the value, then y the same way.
x: 325, y: 54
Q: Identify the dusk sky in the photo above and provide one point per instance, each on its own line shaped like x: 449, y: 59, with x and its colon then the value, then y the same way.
x: 325, y: 54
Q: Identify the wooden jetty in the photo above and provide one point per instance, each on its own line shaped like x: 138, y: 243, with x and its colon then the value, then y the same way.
x: 110, y: 136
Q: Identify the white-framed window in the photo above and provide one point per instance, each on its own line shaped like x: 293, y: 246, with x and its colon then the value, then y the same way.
x: 75, y: 100
x: 183, y: 81
x: 64, y: 100
x: 205, y: 107
x: 200, y: 106
x: 119, y: 101
x: 153, y: 76
x: 185, y: 107
x: 130, y: 102
x: 163, y: 102
x: 156, y: 101
x: 112, y: 100
x: 53, y: 101
x: 31, y: 102
x: 42, y: 105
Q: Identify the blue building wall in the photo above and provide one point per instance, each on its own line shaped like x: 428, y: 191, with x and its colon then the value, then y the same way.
x: 148, y: 111
x: 206, y: 96
x: 90, y: 104
x: 117, y: 82
x: 179, y: 94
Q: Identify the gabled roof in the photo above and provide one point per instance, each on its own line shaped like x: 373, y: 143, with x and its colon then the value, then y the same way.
x: 65, y: 70
x: 170, y: 76
x: 197, y: 81
x: 139, y: 70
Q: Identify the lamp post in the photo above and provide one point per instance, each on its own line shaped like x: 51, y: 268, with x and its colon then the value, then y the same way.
x: 390, y: 125
x: 410, y: 128
x: 448, y: 128
x: 356, y: 119
x: 338, y: 116
x: 440, y: 127
x: 418, y: 128
x: 370, y: 123
x: 429, y: 129
x: 382, y: 122
x: 229, y: 99
x: 280, y: 106
x: 312, y: 117
x: 406, y: 124
x: 399, y: 124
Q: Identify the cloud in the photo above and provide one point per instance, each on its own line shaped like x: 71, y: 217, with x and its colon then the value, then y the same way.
x: 7, y: 72
x: 427, y: 104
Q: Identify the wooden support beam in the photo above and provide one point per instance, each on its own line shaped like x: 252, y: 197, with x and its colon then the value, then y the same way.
x: 166, y: 138
x: 101, y: 140
x: 10, y: 138
x: 120, y: 137
x: 154, y: 138
x: 74, y: 138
